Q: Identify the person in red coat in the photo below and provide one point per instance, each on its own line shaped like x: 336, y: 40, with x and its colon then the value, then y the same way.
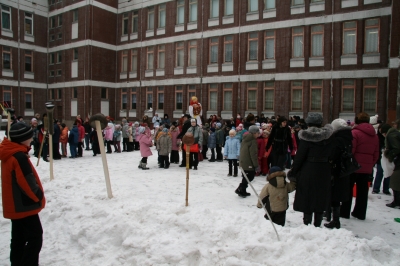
x: 365, y: 148
x: 81, y: 130
x: 22, y: 196
x: 262, y: 153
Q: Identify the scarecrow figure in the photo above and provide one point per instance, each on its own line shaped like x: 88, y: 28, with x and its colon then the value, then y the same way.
x: 195, y: 110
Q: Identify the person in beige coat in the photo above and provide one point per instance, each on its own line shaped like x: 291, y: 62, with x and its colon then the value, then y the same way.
x: 275, y: 195
x: 164, y: 146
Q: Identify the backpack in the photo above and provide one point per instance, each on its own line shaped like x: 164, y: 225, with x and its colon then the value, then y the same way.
x: 348, y: 164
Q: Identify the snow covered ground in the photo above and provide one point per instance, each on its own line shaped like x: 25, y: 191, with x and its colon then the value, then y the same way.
x: 147, y: 223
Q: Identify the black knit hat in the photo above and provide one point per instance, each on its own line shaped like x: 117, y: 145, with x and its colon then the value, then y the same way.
x: 20, y: 132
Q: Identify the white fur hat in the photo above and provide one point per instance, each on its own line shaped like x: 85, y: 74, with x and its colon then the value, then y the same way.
x: 338, y: 124
x: 373, y: 120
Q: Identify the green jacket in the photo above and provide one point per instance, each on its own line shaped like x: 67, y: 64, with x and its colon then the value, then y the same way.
x: 220, y: 135
x: 248, y: 153
x: 392, y: 144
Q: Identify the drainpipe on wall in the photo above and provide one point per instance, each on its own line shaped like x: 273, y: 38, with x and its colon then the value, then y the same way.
x: 201, y: 55
x: 238, y: 109
x: 19, y: 60
x: 331, y: 89
x: 116, y: 68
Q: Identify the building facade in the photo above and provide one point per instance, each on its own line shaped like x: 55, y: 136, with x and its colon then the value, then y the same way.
x: 128, y: 58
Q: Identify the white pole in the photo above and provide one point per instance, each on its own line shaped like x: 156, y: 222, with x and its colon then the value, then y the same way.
x: 51, y: 155
x: 104, y: 159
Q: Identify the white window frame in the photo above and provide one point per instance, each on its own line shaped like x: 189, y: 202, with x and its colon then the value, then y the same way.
x: 28, y: 17
x: 162, y: 16
x: 193, y: 13
x: 180, y: 12
x: 6, y: 10
x: 214, y: 8
x: 268, y: 37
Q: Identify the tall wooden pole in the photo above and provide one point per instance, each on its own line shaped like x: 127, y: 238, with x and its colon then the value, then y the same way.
x: 104, y: 159
x: 50, y: 109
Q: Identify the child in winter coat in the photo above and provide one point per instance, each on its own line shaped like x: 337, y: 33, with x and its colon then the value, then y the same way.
x: 164, y: 146
x: 174, y: 131
x: 117, y: 138
x: 73, y: 140
x: 239, y: 132
x: 145, y: 143
x: 220, y: 137
x: 108, y: 136
x: 275, y: 195
x: 94, y: 140
x: 212, y: 143
x: 136, y: 136
x: 130, y: 138
x: 262, y: 153
x: 64, y: 140
x: 232, y: 152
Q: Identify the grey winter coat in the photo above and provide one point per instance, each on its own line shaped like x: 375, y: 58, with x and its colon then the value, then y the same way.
x: 392, y: 151
x: 312, y: 169
x: 220, y: 135
x: 248, y: 153
x: 212, y: 141
x: 125, y: 133
x: 205, y: 137
x: 164, y: 145
x: 197, y: 134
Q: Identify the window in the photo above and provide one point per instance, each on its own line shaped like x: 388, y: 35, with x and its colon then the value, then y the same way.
x: 161, y: 16
x: 179, y: 54
x: 253, y: 46
x: 227, y: 97
x: 150, y: 58
x: 348, y: 87
x: 214, y: 50
x: 75, y: 54
x: 229, y: 7
x: 317, y: 40
x: 59, y: 20
x: 52, y: 38
x: 51, y: 73
x: 52, y: 22
x: 124, y: 67
x: 213, y: 97
x: 150, y: 18
x: 161, y: 56
x: 160, y: 98
x: 298, y: 42
x: 104, y: 93
x: 297, y: 2
x: 28, y: 61
x: 7, y: 97
x: 252, y: 96
x: 180, y: 12
x: 214, y: 8
x: 269, y: 87
x: 178, y: 97
x: 28, y: 98
x: 51, y: 58
x: 75, y: 93
x: 228, y: 49
x: 191, y: 92
x: 124, y: 99
x: 134, y: 60
x: 7, y: 58
x: 59, y: 72
x: 269, y: 44
x: 316, y: 1
x: 192, y: 10
x: 59, y: 36
x: 5, y: 17
x: 125, y: 20
x: 253, y: 5
x: 269, y: 4
x: 372, y: 36
x: 75, y: 15
x: 133, y: 99
x: 135, y: 21
x: 316, y: 95
x: 297, y: 95
x: 59, y: 57
x: 349, y: 37
x: 192, y: 53
x: 370, y: 89
x: 28, y: 23
x: 149, y: 98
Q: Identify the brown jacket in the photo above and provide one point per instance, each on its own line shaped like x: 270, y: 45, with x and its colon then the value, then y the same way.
x: 277, y: 189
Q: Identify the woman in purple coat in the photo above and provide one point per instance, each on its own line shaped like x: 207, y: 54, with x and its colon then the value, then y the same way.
x: 145, y: 142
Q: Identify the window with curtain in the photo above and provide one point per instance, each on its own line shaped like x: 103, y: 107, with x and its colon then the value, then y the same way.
x: 228, y: 45
x: 28, y: 98
x: 134, y: 61
x: 229, y: 7
x: 348, y: 87
x: 269, y: 87
x: 6, y: 57
x: 28, y: 23
x: 297, y: 95
x: 178, y: 98
x: 192, y: 53
x: 160, y: 98
x: 7, y: 97
x: 149, y: 98
x: 150, y: 58
x: 192, y: 10
x: 214, y: 9
x: 349, y: 37
x: 269, y: 4
x: 75, y: 15
x: 251, y: 95
x: 317, y: 40
x: 5, y: 17
x: 228, y: 97
x: 28, y: 61
x: 161, y: 16
x: 179, y: 54
x: 213, y: 97
x: 180, y: 12
x: 161, y: 56
x: 135, y: 21
x: 124, y: 99
x: 253, y: 5
x: 214, y: 50
x: 372, y: 36
x: 316, y: 95
x: 125, y: 20
x: 370, y: 89
x: 150, y: 18
x: 297, y: 2
x: 298, y: 42
x: 253, y: 46
x: 270, y: 44
x: 133, y: 101
x: 124, y: 61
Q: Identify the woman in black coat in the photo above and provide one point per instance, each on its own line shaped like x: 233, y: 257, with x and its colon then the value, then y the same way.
x: 340, y: 185
x: 280, y: 139
x: 312, y: 169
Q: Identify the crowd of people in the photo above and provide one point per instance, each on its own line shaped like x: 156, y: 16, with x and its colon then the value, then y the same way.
x: 301, y: 155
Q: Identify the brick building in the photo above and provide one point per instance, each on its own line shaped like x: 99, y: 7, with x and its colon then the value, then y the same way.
x: 128, y: 58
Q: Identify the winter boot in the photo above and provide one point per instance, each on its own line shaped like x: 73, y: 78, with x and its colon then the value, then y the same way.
x: 307, y: 217
x: 317, y: 219
x: 140, y: 165
x: 144, y: 166
x: 328, y: 214
x: 396, y: 200
x: 241, y: 192
x: 335, y: 223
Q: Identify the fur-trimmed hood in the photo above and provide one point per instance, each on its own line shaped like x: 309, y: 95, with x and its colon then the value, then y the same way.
x: 277, y: 179
x: 316, y: 134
